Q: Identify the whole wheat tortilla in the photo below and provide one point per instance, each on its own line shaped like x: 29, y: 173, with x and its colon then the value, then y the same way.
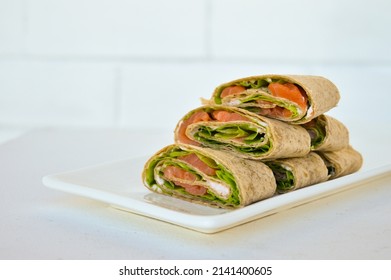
x: 254, y: 180
x: 336, y: 134
x: 307, y: 170
x: 322, y: 93
x: 286, y: 140
x: 343, y: 162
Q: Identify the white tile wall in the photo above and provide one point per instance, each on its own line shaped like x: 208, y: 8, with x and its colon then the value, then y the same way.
x: 302, y: 31
x: 146, y: 63
x: 116, y: 28
x: 159, y: 94
x: 51, y: 93
x: 12, y: 26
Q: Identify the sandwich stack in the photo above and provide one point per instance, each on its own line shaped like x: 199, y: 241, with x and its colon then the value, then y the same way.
x: 256, y: 137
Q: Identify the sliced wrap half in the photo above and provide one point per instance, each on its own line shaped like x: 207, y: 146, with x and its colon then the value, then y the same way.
x: 242, y: 132
x: 327, y: 134
x: 295, y: 173
x: 342, y: 162
x: 207, y: 176
x: 291, y: 98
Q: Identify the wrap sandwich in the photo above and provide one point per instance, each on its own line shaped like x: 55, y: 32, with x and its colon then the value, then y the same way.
x: 342, y: 162
x: 242, y: 132
x: 327, y: 134
x: 291, y: 98
x: 208, y: 177
x: 295, y: 173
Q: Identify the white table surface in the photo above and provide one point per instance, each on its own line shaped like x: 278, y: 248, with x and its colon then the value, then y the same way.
x: 42, y: 223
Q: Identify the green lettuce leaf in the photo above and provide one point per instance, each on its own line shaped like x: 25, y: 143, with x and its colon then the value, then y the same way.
x: 284, y: 178
x: 220, y: 136
x: 253, y: 84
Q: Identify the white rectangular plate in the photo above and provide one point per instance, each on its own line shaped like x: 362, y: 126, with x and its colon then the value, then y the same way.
x: 119, y: 184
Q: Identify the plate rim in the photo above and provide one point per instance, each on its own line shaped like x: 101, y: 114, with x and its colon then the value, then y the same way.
x: 215, y: 222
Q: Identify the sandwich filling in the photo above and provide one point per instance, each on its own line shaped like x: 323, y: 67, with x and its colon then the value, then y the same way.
x: 223, y: 127
x: 191, y: 174
x: 317, y: 131
x: 284, y: 176
x: 267, y: 97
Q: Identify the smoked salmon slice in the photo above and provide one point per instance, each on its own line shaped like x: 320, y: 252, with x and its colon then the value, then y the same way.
x: 203, y: 116
x: 194, y: 118
x: 195, y: 161
x: 186, y: 179
x: 180, y: 176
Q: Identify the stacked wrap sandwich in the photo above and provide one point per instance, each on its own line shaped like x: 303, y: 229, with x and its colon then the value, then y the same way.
x: 255, y: 138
